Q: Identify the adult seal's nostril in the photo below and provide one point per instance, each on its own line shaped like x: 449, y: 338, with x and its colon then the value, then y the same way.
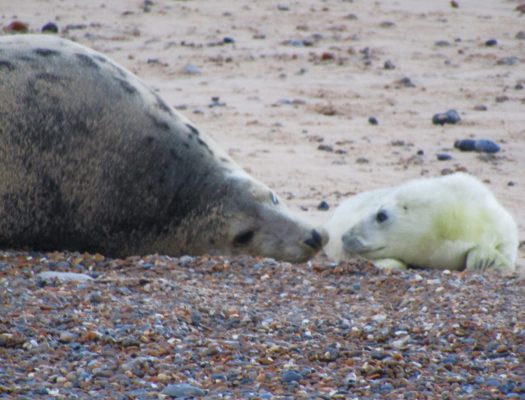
x: 315, y: 241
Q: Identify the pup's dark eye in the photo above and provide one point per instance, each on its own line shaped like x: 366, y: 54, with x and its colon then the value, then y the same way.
x: 381, y: 216
x: 243, y: 238
x: 275, y: 199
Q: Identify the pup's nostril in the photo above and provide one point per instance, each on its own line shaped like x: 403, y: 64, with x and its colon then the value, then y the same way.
x: 315, y: 241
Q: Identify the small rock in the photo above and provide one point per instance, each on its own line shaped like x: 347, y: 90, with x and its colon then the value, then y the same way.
x: 50, y: 27
x: 480, y: 107
x: 183, y: 390
x: 519, y: 86
x: 17, y: 26
x: 50, y: 276
x: 508, y: 61
x: 291, y: 376
x: 215, y: 102
x: 192, y: 69
x: 295, y: 42
x: 454, y: 4
x: 491, y: 42
x: 406, y: 82
x: 323, y: 205
x: 185, y: 260
x: 378, y: 355
x: 282, y: 7
x: 480, y: 145
x: 443, y: 156
x: 387, y: 24
x: 66, y: 337
x: 331, y: 354
x: 373, y: 121
x: 520, y: 35
x: 325, y: 147
x: 442, y: 43
x: 449, y: 117
x: 228, y: 40
x: 389, y: 65
x: 326, y: 56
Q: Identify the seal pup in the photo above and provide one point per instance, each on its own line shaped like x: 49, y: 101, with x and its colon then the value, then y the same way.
x: 450, y: 222
x: 91, y: 159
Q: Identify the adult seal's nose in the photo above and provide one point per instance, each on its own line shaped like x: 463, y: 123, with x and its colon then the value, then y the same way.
x: 317, y: 239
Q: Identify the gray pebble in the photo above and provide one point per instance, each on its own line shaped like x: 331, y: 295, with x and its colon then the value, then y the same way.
x: 323, y: 205
x: 442, y: 43
x: 185, y: 260
x: 49, y: 276
x: 449, y: 117
x: 192, y: 69
x: 443, y: 156
x: 406, y: 82
x: 292, y: 376
x: 508, y: 61
x: 181, y: 390
x: 389, y: 65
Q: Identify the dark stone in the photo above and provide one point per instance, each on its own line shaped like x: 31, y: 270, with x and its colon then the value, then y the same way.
x: 50, y: 27
x: 323, y: 205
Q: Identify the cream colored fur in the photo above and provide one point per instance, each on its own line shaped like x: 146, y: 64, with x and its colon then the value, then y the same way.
x: 451, y: 222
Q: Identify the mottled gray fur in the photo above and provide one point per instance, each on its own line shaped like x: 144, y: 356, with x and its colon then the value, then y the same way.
x: 91, y: 159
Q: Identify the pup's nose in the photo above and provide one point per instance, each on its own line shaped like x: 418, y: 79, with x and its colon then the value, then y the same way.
x: 317, y: 239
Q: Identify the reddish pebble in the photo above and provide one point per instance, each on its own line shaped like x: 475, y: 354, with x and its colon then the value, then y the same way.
x: 326, y: 56
x: 17, y: 26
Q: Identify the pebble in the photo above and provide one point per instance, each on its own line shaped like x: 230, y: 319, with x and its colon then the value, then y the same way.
x: 325, y: 147
x: 373, y: 121
x: 520, y: 35
x: 17, y: 26
x: 442, y: 43
x: 406, y: 82
x: 192, y: 69
x: 185, y: 260
x: 443, y: 156
x: 480, y: 107
x: 50, y: 276
x: 292, y: 376
x: 295, y: 42
x: 508, y: 61
x: 449, y: 117
x: 215, y: 102
x: 323, y: 206
x: 183, y: 390
x: 389, y: 65
x: 50, y: 27
x: 491, y: 42
x: 479, y: 145
x: 228, y: 40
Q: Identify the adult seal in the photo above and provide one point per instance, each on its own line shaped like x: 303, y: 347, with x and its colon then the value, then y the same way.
x: 91, y: 159
x: 450, y: 222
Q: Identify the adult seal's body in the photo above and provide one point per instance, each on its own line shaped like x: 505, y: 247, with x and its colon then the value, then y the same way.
x: 451, y: 222
x: 93, y: 160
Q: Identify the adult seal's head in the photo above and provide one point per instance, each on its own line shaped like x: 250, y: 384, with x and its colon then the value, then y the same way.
x: 91, y: 159
x: 451, y: 222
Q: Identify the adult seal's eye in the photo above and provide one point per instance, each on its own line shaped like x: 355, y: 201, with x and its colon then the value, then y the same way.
x: 381, y: 216
x: 274, y: 198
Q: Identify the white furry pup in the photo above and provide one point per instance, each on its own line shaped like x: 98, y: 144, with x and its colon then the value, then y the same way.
x: 450, y: 222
